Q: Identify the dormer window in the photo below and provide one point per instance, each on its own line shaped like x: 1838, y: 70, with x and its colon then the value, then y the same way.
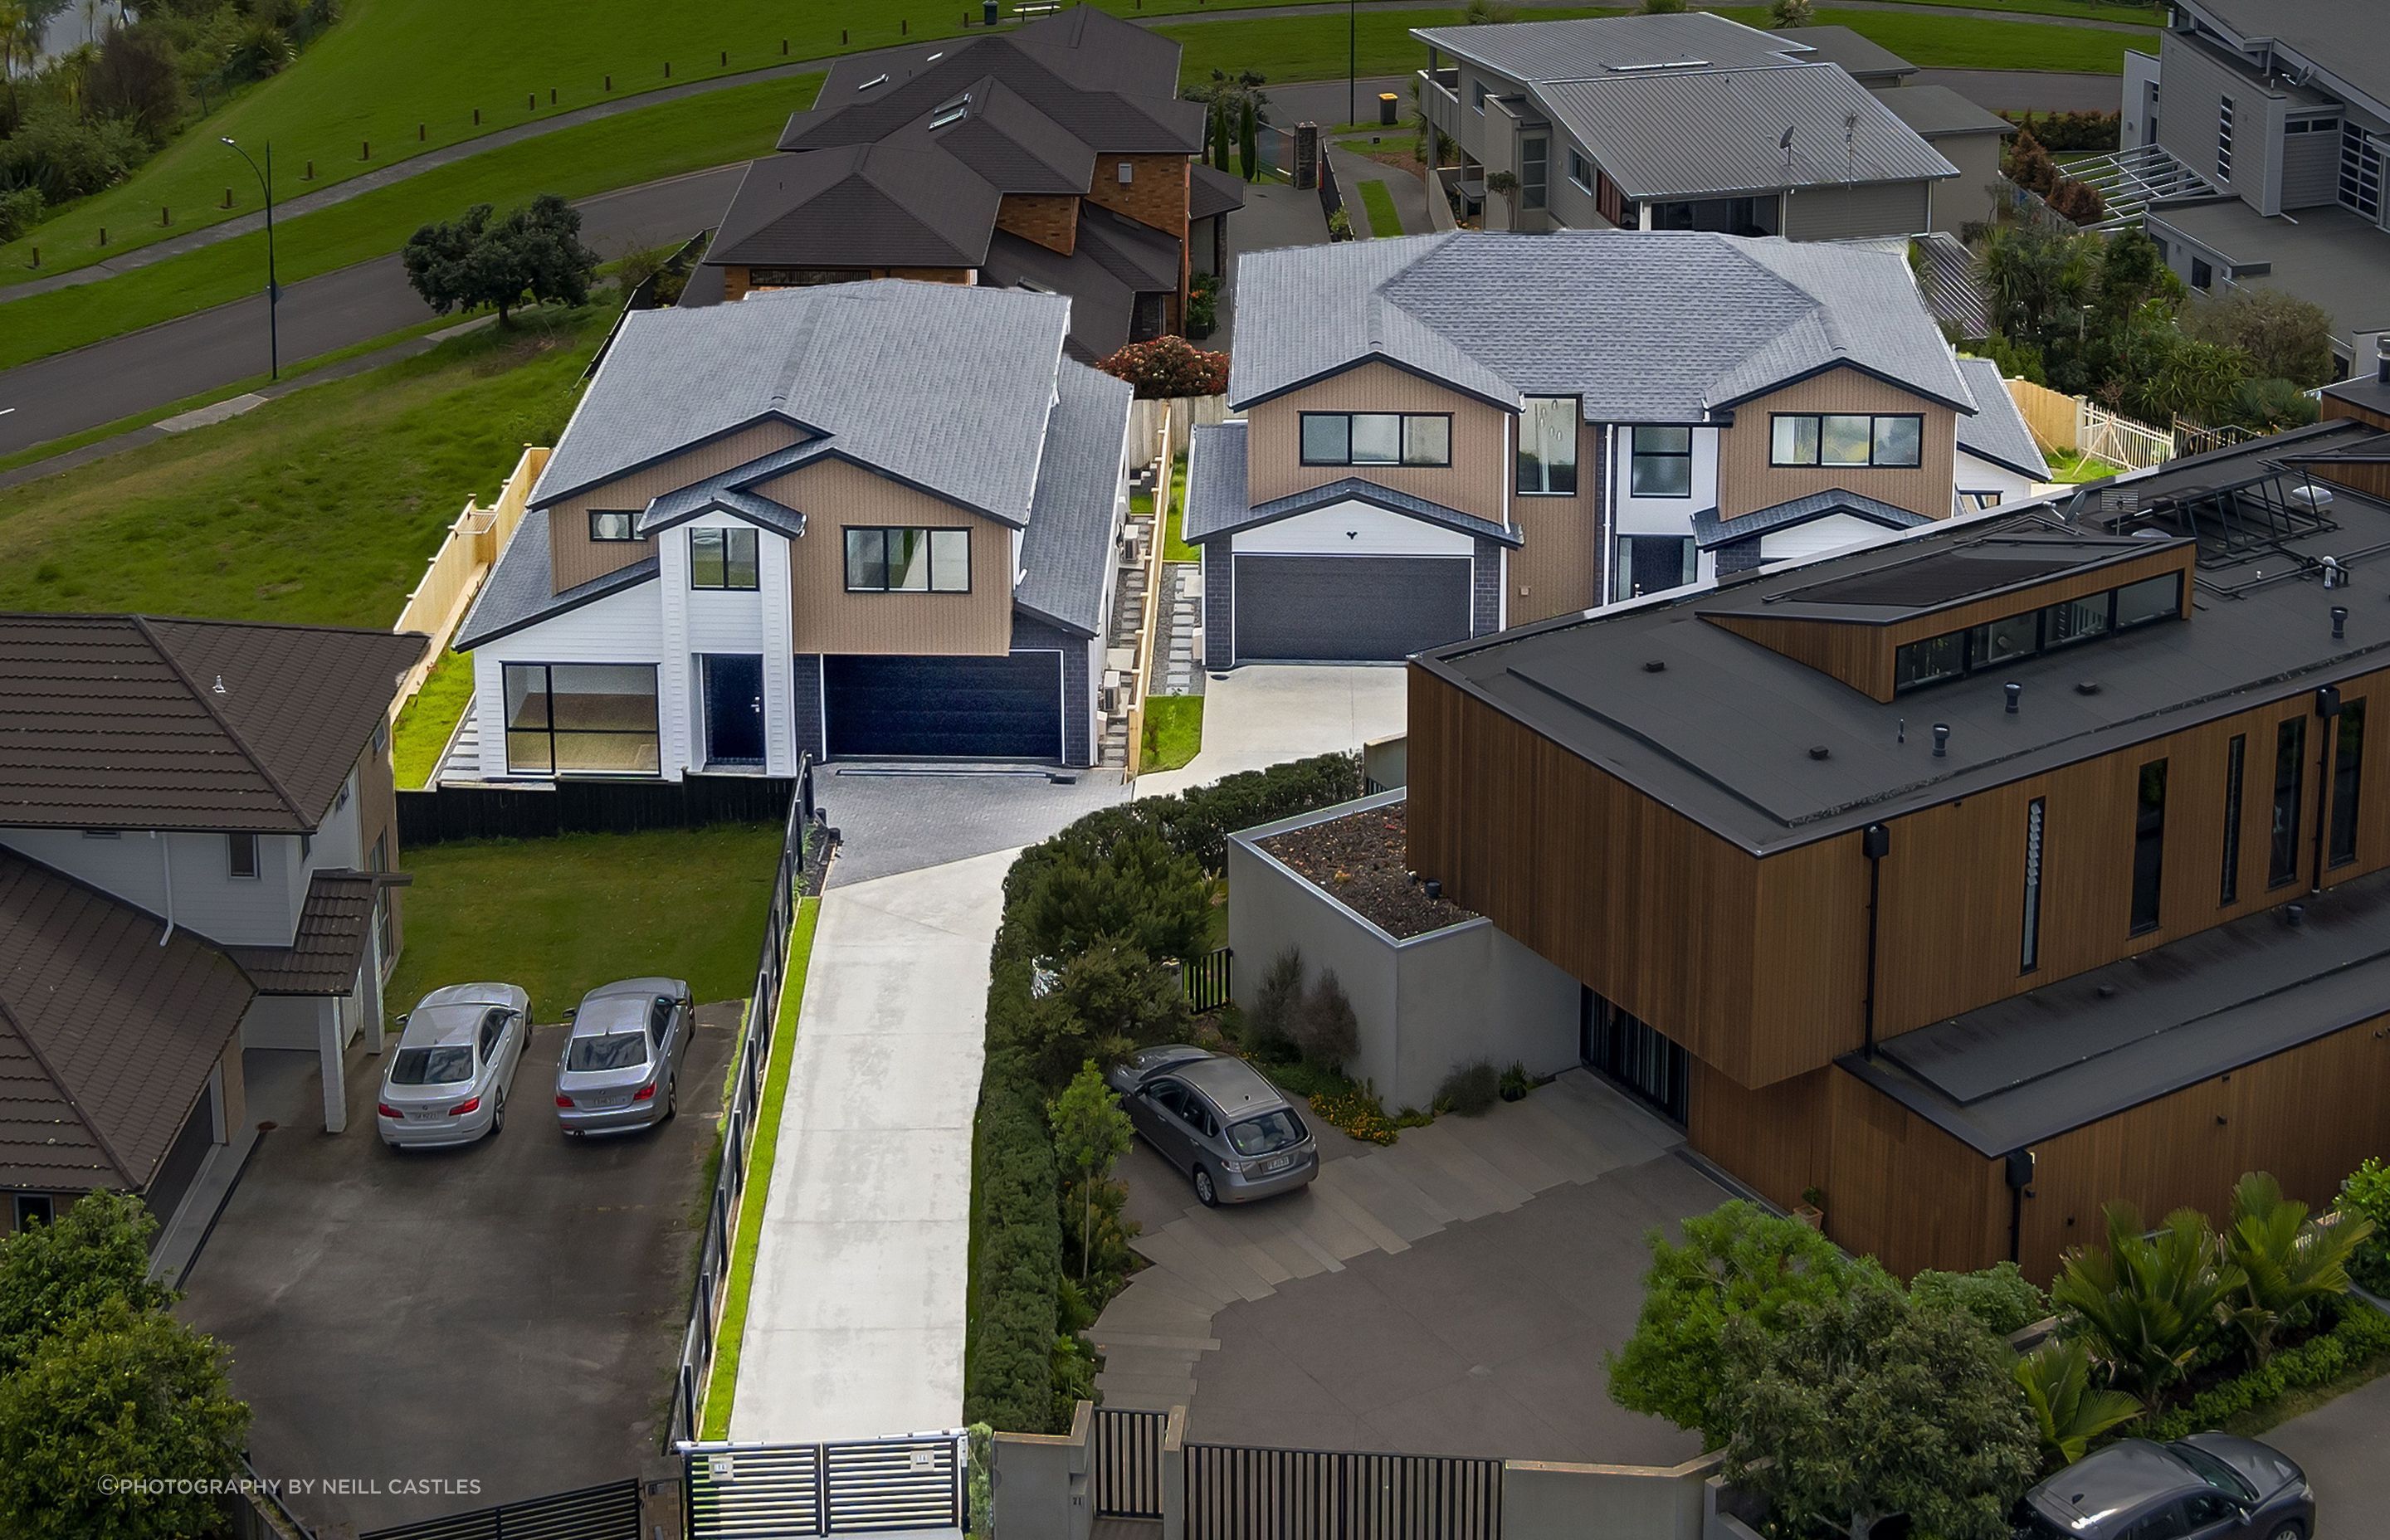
x: 608, y: 524
x: 950, y: 113
x: 1956, y: 654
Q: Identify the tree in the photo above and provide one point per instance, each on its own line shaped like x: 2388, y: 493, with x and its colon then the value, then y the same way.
x: 1219, y: 145
x: 2076, y: 202
x: 1487, y: 13
x: 2000, y: 1296
x: 1505, y: 185
x: 1140, y: 894
x: 2067, y: 1409
x: 1249, y: 142
x: 55, y: 1278
x: 1865, y: 1407
x: 2287, y: 1260
x: 1105, y: 1003
x: 1326, y: 1030
x: 1270, y: 1026
x: 2029, y: 164
x: 2148, y: 1304
x: 2285, y: 336
x: 1090, y: 1133
x: 1737, y: 1261
x: 1791, y: 13
x: 1169, y: 367
x: 532, y: 254
x: 2199, y: 379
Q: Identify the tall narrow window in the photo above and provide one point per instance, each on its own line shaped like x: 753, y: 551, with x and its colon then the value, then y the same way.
x: 2290, y: 774
x: 2030, y: 955
x: 2148, y: 846
x: 2223, y: 140
x: 2347, y: 776
x: 1548, y: 445
x: 1535, y: 155
x: 240, y: 854
x: 2234, y: 754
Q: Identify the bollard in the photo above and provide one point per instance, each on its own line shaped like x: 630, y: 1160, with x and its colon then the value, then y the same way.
x: 842, y: 37
x: 551, y: 95
x: 365, y: 149
x: 310, y: 175
x: 726, y: 57
x: 784, y: 47
x: 667, y: 69
x: 37, y: 256
x: 165, y: 216
x: 103, y: 234
x: 530, y: 101
x: 610, y: 82
x: 477, y: 116
x: 419, y: 134
x: 227, y: 202
x: 903, y: 29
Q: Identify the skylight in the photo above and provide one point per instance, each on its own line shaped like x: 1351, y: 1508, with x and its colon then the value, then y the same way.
x: 951, y: 112
x: 876, y: 79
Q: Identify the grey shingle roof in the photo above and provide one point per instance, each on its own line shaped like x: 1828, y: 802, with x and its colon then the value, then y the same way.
x: 1068, y: 545
x: 1996, y: 433
x: 1219, y: 521
x: 895, y: 204
x: 1954, y: 294
x: 519, y: 590
x: 939, y: 385
x: 1644, y: 327
x: 1710, y: 531
x: 1934, y: 111
x: 729, y: 491
x: 1136, y: 254
x: 1700, y: 133
x: 1582, y: 47
x: 1215, y: 481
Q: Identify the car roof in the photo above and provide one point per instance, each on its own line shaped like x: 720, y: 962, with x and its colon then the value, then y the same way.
x: 602, y: 1012
x: 2121, y: 1479
x: 454, y: 1014
x: 637, y: 987
x: 1232, y: 1085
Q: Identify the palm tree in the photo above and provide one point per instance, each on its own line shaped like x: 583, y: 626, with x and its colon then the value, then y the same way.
x: 2151, y: 1300
x: 2286, y: 1258
x: 2056, y: 1378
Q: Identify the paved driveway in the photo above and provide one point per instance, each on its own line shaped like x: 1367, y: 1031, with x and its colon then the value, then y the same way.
x: 900, y: 818
x: 505, y: 1314
x: 1266, y: 713
x: 2339, y: 1446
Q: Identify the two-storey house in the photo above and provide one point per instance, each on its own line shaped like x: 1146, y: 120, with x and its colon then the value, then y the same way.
x: 859, y: 521
x: 1440, y: 436
x: 1978, y: 877
x: 1053, y: 157
x: 199, y: 851
x: 2279, y: 111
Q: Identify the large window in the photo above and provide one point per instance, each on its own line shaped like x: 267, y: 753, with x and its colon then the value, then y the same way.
x: 2360, y: 170
x: 1377, y: 438
x: 1955, y: 654
x: 907, y: 561
x: 2148, y: 845
x: 581, y: 719
x: 2236, y: 754
x: 2348, y: 777
x: 2290, y: 785
x: 2029, y: 955
x: 613, y: 524
x: 1834, y: 439
x: 1548, y: 427
x: 722, y: 558
x: 1535, y: 158
x: 1661, y: 464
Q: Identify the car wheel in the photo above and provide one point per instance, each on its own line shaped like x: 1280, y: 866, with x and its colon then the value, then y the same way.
x: 498, y: 1115
x: 671, y: 1099
x: 1206, y: 1193
x: 2288, y: 1531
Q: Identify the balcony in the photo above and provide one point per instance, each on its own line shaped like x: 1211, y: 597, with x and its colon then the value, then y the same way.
x: 1439, y: 94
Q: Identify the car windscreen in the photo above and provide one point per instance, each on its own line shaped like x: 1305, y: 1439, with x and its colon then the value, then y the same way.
x: 1271, y: 1130
x: 616, y: 1050
x: 441, y: 1066
x: 2215, y: 1472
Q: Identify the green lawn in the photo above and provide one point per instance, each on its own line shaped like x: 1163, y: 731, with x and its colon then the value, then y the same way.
x: 660, y: 141
x: 1173, y: 546
x: 321, y: 506
x: 1379, y: 203
x: 1173, y: 731
x: 2070, y: 468
x: 560, y: 916
x: 724, y: 1384
x: 424, y: 727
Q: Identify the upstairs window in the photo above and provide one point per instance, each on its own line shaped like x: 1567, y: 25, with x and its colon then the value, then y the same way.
x: 1956, y: 654
x: 2290, y: 792
x: 2148, y: 846
x: 1377, y: 438
x: 1883, y: 440
x: 1547, y: 427
x: 2029, y: 953
x: 2347, y: 778
x: 1580, y: 171
x: 1662, y: 463
x: 1535, y: 155
x: 608, y: 524
x: 722, y: 558
x: 2236, y: 754
x: 240, y: 855
x: 907, y: 561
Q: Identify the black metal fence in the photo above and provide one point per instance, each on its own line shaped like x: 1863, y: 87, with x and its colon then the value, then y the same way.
x: 1208, y: 980
x: 1240, y: 1493
x: 592, y: 807
x: 1332, y: 196
x: 608, y: 1513
x: 257, y: 1512
x: 1128, y: 1464
x: 754, y: 1052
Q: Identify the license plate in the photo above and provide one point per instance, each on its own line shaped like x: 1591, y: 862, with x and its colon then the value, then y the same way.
x: 602, y: 1098
x: 1279, y: 1164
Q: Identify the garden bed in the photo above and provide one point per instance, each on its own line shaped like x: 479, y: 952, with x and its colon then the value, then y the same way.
x: 1362, y: 860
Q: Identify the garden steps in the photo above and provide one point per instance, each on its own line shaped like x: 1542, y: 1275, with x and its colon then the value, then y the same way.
x: 1446, y: 1149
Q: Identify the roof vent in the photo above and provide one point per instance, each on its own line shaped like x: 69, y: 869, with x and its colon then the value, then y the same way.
x: 1941, y: 740
x: 2087, y: 687
x: 220, y: 689
x: 2013, y: 690
x: 1655, y: 666
x: 2340, y: 623
x: 1821, y: 751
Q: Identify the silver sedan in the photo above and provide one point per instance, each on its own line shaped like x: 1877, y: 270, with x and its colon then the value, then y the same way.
x: 621, y: 1066
x: 448, y: 1080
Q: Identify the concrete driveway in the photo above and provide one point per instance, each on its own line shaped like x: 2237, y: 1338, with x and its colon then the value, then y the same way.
x: 1266, y: 713
x: 2339, y: 1444
x: 503, y: 1314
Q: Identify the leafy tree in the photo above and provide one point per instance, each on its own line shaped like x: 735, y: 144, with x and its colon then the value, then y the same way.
x: 1791, y: 13
x: 1139, y: 892
x: 2287, y: 1260
x: 1107, y: 1002
x: 1662, y: 8
x: 2270, y: 406
x: 1503, y: 184
x: 1270, y: 1026
x: 2148, y: 1304
x: 2365, y: 1194
x: 2078, y: 202
x: 2285, y: 336
x: 1487, y: 13
x: 2201, y: 380
x: 1169, y: 368
x: 55, y: 1278
x: 1865, y: 1407
x: 2067, y: 1408
x: 1999, y: 1296
x: 1326, y: 1030
x: 532, y: 254
x: 1737, y: 1261
x: 1090, y: 1133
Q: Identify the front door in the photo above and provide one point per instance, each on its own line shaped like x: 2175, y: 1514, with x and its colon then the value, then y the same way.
x: 734, y: 709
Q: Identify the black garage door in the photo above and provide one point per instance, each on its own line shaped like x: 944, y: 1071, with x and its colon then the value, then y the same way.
x: 950, y: 708
x: 1345, y: 608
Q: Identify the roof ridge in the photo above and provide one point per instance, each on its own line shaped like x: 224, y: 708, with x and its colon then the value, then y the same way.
x: 74, y: 1103
x: 215, y: 716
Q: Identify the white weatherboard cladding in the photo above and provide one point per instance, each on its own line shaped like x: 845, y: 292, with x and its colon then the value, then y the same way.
x: 1633, y: 515
x: 1977, y: 475
x: 1353, y: 529
x: 624, y: 627
x: 780, y: 661
x: 1831, y: 534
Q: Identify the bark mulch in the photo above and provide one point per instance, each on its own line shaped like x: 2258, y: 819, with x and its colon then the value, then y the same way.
x: 1359, y: 859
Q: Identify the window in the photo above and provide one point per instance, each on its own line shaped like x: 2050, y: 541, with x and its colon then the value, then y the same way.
x: 1893, y: 440
x: 614, y: 1050
x: 2289, y: 770
x: 2073, y: 621
x: 1580, y: 171
x: 803, y: 277
x: 954, y: 111
x: 1377, y: 438
x: 2030, y: 954
x: 1477, y: 96
x: 1926, y: 662
x: 1978, y: 501
x: 2347, y: 776
x: 240, y: 855
x: 494, y: 1027
x: 907, y: 561
x: 35, y: 1208
x: 722, y: 558
x: 2235, y: 753
x: 103, y: 834
x: 2157, y: 598
x: 2223, y: 140
x: 1958, y: 653
x: 1653, y: 564
x: 585, y: 719
x: 1548, y: 429
x: 1641, y: 1058
x: 2001, y: 640
x: 659, y: 1017
x: 2360, y: 172
x: 2201, y: 275
x: 1661, y: 465
x: 613, y: 524
x: 2148, y: 846
x: 1535, y: 155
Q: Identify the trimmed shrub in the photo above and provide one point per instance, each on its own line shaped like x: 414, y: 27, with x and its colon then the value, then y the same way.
x: 2366, y: 1193
x: 20, y: 212
x: 2360, y: 1335
x: 1017, y: 1247
x: 2000, y: 1296
x: 1140, y: 893
x: 1327, y: 1030
x: 2077, y: 200
x: 1471, y: 1090
x: 1169, y: 368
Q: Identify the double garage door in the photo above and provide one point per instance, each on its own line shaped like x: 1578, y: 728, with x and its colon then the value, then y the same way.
x: 1348, y: 609
x: 943, y: 708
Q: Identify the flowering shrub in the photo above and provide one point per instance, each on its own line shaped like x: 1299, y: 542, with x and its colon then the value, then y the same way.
x: 1169, y: 368
x: 1357, y: 1111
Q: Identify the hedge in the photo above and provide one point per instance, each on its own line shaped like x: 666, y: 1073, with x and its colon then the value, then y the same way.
x: 2362, y: 1334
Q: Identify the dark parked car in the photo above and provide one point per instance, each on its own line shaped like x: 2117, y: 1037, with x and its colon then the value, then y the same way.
x: 2209, y: 1487
x: 1217, y: 1119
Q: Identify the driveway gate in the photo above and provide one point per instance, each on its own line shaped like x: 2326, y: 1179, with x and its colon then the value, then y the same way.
x: 1235, y: 1492
x: 608, y: 1513
x: 773, y: 1491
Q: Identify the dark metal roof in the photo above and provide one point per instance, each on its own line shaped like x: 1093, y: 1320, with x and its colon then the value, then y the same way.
x: 863, y: 206
x: 1710, y: 531
x: 109, y: 1027
x: 130, y: 722
x: 1861, y: 54
x: 1937, y: 111
x: 1929, y: 580
x: 329, y: 945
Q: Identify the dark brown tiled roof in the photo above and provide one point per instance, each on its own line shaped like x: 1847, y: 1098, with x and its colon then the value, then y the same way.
x: 330, y: 942
x: 124, y: 722
x: 107, y: 1037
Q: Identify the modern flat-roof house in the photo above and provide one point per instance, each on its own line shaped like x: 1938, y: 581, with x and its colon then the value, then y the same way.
x: 866, y: 519
x: 2275, y: 116
x: 198, y: 846
x: 1054, y: 156
x: 1440, y: 436
x: 1690, y: 122
x: 1978, y: 877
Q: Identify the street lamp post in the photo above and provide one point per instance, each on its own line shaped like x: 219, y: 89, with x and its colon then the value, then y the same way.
x: 1352, y: 61
x: 273, y: 289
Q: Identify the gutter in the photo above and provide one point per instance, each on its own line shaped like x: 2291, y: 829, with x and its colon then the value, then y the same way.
x: 166, y: 864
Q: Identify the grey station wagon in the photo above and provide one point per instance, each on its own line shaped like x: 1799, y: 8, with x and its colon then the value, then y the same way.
x: 621, y: 1066
x: 1218, y: 1120
x: 2209, y: 1487
x: 448, y: 1080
